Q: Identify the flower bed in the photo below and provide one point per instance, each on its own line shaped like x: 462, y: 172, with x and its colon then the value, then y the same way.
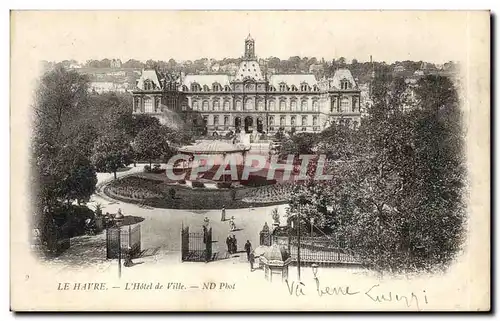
x: 161, y: 194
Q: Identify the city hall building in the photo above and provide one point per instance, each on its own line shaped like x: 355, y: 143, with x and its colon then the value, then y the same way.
x: 252, y: 100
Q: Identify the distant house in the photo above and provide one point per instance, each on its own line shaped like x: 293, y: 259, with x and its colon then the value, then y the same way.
x: 75, y: 66
x: 314, y: 68
x: 418, y: 73
x: 399, y: 69
x: 215, y: 67
x: 116, y: 63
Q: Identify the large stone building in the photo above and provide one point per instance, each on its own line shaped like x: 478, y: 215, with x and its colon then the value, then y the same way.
x: 252, y: 99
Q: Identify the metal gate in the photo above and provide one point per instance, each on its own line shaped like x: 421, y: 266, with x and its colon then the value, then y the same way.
x: 196, y: 247
x: 128, y: 237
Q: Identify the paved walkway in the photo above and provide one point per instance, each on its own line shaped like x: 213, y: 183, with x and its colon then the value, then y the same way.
x: 160, y: 230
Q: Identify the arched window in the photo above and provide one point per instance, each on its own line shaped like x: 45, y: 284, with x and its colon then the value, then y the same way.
x: 226, y: 105
x: 195, y: 87
x: 216, y: 120
x: 282, y: 121
x: 283, y: 87
x: 271, y: 120
x: 158, y: 103
x: 148, y: 105
x: 205, y: 88
x: 304, y: 120
x: 205, y: 105
x: 205, y: 120
x: 282, y: 105
x: 294, y: 88
x: 195, y: 105
x: 148, y: 85
x: 344, y: 105
x: 137, y: 103
x: 292, y: 120
x: 227, y: 88
x: 216, y: 104
x: 226, y: 120
x: 315, y: 120
x: 315, y: 105
x: 238, y: 105
x: 304, y: 87
x: 260, y: 105
x: 303, y: 105
x: 345, y: 84
x: 249, y: 104
x: 271, y: 105
x: 216, y: 87
x: 293, y: 104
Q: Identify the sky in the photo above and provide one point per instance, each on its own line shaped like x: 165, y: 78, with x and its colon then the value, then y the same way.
x: 389, y: 36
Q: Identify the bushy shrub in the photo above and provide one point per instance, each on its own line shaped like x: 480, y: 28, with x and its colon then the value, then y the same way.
x: 224, y: 185
x: 147, y: 169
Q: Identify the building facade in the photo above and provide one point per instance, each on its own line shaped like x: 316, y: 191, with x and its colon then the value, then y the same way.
x: 253, y: 99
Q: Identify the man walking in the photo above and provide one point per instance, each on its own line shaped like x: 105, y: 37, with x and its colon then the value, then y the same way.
x: 229, y: 245
x: 248, y: 249
x: 234, y: 244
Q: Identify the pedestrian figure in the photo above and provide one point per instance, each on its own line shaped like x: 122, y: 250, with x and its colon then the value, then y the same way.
x: 235, y: 244
x: 232, y: 225
x: 204, y: 234
x: 248, y: 249
x: 229, y: 244
x: 252, y: 261
x: 223, y: 213
x: 128, y: 259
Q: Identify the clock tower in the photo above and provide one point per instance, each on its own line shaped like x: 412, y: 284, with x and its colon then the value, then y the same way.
x: 249, y: 47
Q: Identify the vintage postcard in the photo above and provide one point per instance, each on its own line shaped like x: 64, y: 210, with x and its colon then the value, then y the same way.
x: 250, y: 161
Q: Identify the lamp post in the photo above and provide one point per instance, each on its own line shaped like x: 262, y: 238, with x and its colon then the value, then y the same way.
x: 298, y: 244
x: 119, y: 219
x: 312, y: 225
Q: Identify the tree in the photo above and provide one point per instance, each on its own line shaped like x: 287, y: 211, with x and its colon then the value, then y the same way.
x: 77, y: 175
x: 111, y: 152
x: 398, y: 202
x: 151, y: 143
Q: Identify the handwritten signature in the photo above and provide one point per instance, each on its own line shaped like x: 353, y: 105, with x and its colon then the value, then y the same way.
x: 373, y: 293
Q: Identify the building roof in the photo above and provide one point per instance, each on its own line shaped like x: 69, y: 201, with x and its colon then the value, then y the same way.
x: 292, y: 79
x: 249, y: 37
x: 339, y: 75
x: 249, y: 69
x: 208, y: 80
x: 151, y: 75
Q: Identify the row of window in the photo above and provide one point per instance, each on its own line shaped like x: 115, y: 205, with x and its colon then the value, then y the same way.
x: 294, y: 120
x: 216, y: 87
x: 151, y: 105
x: 249, y: 105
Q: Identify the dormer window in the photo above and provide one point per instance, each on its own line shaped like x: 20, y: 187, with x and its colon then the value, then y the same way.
x: 185, y: 88
x: 148, y: 85
x: 205, y: 88
x: 304, y: 87
x: 195, y: 87
x: 216, y: 87
x: 227, y: 88
x: 315, y: 88
x: 283, y: 87
x: 294, y: 88
x: 345, y: 84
